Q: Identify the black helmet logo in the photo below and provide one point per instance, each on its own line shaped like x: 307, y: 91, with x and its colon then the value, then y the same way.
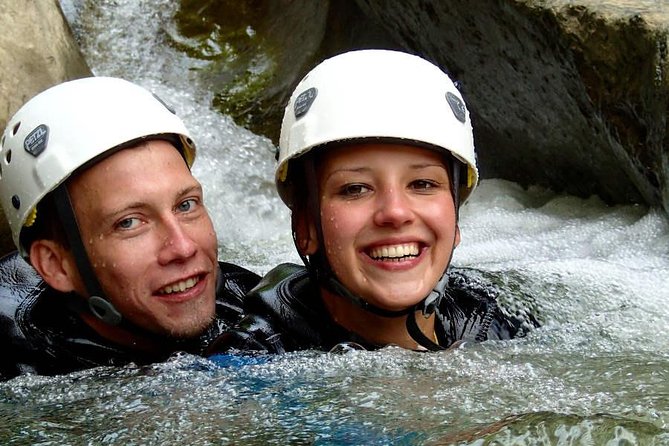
x: 303, y: 102
x: 457, y: 106
x: 36, y: 141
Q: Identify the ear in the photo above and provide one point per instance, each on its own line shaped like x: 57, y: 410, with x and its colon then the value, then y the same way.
x: 457, y: 236
x: 55, y: 264
x: 304, y: 232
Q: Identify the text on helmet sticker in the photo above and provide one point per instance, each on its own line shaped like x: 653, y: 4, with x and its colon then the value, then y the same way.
x: 457, y: 106
x: 303, y: 102
x: 36, y: 141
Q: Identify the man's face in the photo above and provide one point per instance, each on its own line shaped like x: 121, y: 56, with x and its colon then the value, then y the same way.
x: 149, y: 238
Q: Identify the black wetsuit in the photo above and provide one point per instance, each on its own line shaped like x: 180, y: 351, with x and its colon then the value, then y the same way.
x: 40, y: 333
x: 285, y: 313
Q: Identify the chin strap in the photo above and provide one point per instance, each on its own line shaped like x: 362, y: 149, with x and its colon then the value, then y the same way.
x: 427, y: 307
x: 98, y: 305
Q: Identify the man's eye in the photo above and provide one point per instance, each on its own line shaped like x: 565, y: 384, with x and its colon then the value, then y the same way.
x: 128, y: 223
x: 187, y: 205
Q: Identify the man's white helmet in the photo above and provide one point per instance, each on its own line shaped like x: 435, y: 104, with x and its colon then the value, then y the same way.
x: 67, y: 126
x: 379, y: 95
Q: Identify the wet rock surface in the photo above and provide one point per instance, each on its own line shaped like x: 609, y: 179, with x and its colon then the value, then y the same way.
x: 567, y: 95
x: 37, y: 51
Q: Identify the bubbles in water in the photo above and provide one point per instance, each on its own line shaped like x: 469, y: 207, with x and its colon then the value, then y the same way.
x: 596, y: 276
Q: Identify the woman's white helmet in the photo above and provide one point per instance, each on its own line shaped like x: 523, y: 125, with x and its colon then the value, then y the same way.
x: 378, y: 95
x: 67, y: 126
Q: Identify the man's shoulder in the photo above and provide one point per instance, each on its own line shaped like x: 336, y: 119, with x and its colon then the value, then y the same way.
x: 234, y: 281
x: 281, y: 314
x: 284, y: 287
x: 20, y: 288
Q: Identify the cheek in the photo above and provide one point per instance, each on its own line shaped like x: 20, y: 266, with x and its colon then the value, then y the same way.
x: 442, y: 219
x: 207, y: 239
x: 334, y: 223
x: 341, y: 225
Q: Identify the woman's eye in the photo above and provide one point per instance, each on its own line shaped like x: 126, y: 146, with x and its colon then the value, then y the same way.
x: 187, y: 205
x: 128, y: 223
x: 424, y: 184
x: 353, y: 190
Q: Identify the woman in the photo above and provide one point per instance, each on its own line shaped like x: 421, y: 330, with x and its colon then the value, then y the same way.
x: 376, y: 155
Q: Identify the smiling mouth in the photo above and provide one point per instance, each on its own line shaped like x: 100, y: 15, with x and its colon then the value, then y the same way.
x: 180, y: 286
x: 395, y: 252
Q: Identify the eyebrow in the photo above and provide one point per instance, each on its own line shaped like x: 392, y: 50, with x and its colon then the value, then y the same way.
x: 365, y: 168
x: 140, y: 204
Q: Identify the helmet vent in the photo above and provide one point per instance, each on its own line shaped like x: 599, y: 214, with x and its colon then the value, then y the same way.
x: 8, y: 157
x: 16, y: 128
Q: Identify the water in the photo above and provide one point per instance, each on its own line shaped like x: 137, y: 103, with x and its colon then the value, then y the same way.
x: 596, y: 373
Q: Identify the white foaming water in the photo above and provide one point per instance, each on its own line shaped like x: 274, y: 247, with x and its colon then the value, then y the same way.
x: 130, y: 39
x: 596, y: 372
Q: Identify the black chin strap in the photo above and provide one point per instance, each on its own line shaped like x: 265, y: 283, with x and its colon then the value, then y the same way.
x: 427, y: 307
x: 97, y: 303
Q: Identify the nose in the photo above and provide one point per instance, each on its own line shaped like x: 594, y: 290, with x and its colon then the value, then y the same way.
x: 393, y: 208
x: 177, y: 244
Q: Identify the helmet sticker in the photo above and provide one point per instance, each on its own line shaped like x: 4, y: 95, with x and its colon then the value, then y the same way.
x: 457, y: 106
x: 36, y: 141
x: 303, y: 102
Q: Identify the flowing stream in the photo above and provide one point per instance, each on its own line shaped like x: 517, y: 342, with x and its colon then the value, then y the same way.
x: 596, y: 373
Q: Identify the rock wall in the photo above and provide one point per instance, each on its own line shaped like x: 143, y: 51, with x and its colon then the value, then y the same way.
x: 568, y: 95
x: 562, y: 95
x: 37, y: 51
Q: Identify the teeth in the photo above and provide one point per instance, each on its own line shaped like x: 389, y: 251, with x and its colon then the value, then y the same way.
x: 179, y: 286
x: 395, y: 251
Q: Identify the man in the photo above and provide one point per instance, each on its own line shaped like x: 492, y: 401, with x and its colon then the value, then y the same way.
x: 96, y: 185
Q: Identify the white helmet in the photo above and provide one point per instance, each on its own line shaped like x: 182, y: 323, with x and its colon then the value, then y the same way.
x: 376, y: 94
x: 67, y: 126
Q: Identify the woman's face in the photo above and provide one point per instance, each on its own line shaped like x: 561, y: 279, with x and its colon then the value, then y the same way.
x: 388, y: 221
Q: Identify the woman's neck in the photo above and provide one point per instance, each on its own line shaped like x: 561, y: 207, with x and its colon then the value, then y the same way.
x: 373, y: 328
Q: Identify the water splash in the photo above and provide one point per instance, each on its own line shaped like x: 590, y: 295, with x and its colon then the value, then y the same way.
x: 597, y: 276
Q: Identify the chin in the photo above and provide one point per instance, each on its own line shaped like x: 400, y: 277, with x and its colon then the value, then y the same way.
x: 189, y: 329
